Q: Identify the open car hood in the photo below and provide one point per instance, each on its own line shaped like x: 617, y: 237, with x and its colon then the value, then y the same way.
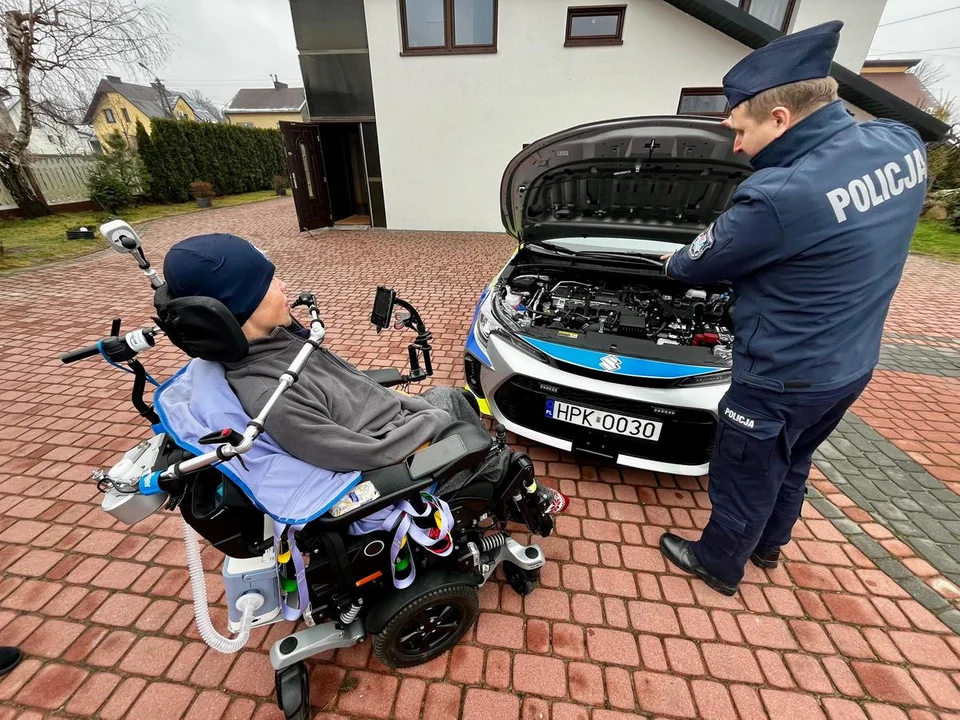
x: 659, y: 177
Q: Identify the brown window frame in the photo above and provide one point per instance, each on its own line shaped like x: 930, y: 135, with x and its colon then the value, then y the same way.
x: 701, y: 92
x: 126, y: 115
x: 449, y: 34
x: 109, y: 115
x: 787, y: 16
x: 619, y: 11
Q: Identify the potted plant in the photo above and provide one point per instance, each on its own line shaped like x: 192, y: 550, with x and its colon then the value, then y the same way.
x: 280, y: 184
x: 202, y: 192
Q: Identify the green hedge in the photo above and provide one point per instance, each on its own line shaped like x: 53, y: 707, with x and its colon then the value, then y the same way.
x: 233, y: 159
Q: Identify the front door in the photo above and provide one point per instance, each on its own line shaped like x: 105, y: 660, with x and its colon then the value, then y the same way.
x: 307, y: 176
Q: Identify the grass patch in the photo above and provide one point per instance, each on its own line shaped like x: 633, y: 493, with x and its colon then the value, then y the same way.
x: 937, y: 239
x: 33, y: 242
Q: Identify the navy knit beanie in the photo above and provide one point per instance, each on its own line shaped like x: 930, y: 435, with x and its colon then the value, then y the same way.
x: 224, y: 267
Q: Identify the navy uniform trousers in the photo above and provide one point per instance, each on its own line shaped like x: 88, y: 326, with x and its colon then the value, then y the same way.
x: 762, y: 454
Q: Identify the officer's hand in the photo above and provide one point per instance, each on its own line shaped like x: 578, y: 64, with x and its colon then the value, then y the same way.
x: 666, y: 261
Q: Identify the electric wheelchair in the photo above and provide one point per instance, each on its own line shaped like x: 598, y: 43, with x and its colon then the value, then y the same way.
x: 390, y: 553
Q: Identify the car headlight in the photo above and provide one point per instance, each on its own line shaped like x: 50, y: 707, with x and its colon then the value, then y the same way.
x: 719, y: 378
x: 485, y: 322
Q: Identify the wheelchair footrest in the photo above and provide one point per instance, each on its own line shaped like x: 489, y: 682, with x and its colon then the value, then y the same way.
x: 317, y: 639
x: 526, y: 557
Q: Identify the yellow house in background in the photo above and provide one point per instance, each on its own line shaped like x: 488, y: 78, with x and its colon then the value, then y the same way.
x: 266, y: 107
x: 117, y: 106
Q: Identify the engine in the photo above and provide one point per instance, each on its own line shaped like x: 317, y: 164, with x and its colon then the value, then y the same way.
x: 666, y: 316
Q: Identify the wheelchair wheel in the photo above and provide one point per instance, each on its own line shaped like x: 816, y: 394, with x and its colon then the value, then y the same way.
x: 427, y: 627
x: 293, y: 692
x: 522, y: 581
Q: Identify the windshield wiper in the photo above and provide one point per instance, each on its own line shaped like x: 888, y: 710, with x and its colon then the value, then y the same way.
x: 633, y: 257
x: 623, y: 256
x: 558, y: 249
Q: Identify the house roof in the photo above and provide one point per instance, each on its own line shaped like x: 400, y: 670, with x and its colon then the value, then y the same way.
x: 893, y: 63
x: 904, y: 85
x: 145, y: 98
x: 201, y: 112
x: 854, y: 88
x: 265, y: 100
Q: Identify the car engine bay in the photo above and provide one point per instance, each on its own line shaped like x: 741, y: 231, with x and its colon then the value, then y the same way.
x: 655, y: 310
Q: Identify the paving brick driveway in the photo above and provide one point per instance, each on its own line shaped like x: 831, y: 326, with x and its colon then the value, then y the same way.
x: 856, y: 624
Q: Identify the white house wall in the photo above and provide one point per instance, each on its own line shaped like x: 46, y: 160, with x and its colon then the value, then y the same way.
x: 860, y: 19
x: 448, y: 124
x: 50, y: 138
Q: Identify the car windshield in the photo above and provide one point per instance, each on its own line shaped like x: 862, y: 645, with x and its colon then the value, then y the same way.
x: 614, y: 244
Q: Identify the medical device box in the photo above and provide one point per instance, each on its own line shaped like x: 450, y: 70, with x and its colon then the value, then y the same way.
x: 258, y: 574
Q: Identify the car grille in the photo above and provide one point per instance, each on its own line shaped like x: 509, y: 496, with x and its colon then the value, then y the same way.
x: 686, y: 438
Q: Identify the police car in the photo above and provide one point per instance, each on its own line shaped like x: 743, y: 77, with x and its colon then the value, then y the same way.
x: 581, y: 342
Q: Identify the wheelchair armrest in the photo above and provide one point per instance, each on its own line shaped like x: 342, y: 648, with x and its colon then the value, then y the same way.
x: 458, y: 447
x: 388, y: 377
x: 476, y: 444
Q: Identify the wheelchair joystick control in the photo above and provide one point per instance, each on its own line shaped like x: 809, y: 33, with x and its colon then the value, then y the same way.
x: 501, y: 436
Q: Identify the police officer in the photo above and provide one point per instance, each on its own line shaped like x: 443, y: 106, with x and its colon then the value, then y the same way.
x: 815, y: 244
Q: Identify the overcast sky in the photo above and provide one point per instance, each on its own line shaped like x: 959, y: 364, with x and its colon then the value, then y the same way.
x: 934, y: 38
x: 223, y: 45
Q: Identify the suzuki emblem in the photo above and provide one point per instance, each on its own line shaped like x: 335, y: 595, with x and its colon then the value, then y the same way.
x: 610, y: 363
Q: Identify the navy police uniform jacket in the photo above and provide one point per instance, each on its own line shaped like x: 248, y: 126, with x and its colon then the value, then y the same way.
x: 814, y: 243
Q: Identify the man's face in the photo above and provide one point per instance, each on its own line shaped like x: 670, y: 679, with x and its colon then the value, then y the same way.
x: 753, y: 134
x: 273, y: 311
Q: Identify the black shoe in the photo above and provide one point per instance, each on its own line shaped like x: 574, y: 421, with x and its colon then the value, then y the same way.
x: 765, y: 558
x: 10, y: 657
x: 678, y: 551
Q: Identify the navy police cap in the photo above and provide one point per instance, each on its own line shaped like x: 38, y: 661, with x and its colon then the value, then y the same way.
x: 803, y: 55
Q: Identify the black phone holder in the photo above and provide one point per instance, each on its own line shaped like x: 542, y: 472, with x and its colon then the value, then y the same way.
x: 419, y: 349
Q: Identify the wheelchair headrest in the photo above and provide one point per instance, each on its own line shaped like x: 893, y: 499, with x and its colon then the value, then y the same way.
x: 200, y: 326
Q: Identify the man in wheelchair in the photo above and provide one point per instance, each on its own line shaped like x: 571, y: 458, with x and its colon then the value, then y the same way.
x: 334, y: 417
x: 354, y: 508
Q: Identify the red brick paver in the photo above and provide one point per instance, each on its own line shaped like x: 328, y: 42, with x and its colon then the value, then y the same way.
x: 103, y: 610
x: 921, y: 415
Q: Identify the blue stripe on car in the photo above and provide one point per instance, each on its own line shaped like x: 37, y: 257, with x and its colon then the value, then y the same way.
x: 631, y: 367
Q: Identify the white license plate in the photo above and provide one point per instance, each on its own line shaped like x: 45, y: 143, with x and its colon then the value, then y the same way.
x: 607, y: 421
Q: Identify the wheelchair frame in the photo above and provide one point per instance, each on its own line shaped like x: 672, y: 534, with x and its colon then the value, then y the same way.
x: 136, y: 491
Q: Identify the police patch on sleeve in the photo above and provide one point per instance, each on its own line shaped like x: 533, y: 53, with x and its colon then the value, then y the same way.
x: 702, y: 243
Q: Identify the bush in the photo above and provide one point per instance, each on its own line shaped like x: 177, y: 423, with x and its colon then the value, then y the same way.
x: 943, y: 166
x: 113, y: 182
x: 281, y: 182
x: 201, y: 189
x: 109, y: 192
x: 234, y: 159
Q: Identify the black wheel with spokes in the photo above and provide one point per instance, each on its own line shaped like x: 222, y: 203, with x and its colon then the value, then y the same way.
x: 427, y: 627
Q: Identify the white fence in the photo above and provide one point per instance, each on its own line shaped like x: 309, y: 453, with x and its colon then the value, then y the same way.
x: 62, y: 179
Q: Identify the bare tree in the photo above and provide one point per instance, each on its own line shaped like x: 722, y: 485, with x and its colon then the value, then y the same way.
x: 207, y: 104
x: 930, y: 75
x: 946, y: 108
x: 52, y: 49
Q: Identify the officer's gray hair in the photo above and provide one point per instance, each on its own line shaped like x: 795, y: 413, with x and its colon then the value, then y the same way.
x: 801, y: 98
